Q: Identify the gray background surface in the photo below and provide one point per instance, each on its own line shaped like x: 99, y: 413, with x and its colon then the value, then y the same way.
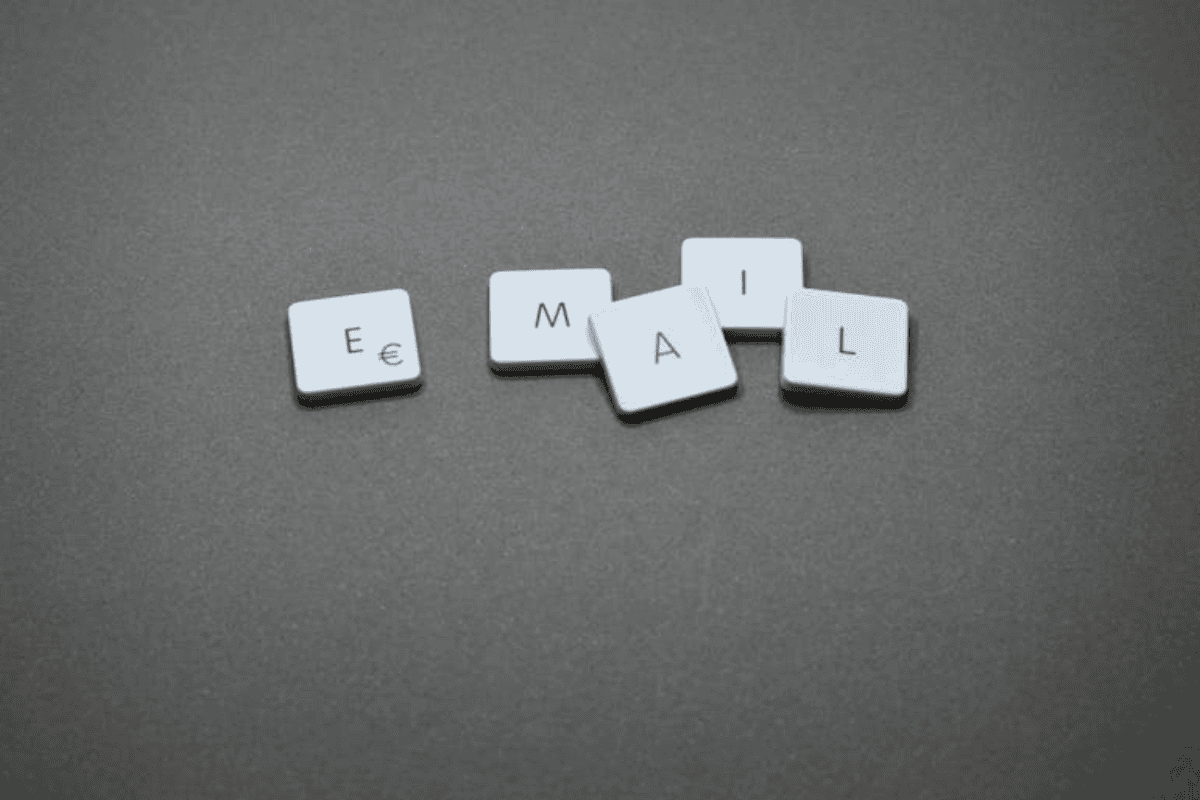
x: 494, y: 587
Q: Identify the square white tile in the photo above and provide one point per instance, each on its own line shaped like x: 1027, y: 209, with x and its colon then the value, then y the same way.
x: 748, y: 278
x: 845, y: 342
x: 662, y: 347
x: 353, y: 343
x: 537, y: 318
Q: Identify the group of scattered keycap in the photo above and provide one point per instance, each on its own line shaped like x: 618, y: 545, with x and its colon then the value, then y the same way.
x: 657, y: 349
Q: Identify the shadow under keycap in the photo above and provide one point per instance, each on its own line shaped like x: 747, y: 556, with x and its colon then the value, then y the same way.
x: 359, y: 396
x: 677, y: 407
x: 593, y: 369
x: 739, y: 337
x: 597, y: 371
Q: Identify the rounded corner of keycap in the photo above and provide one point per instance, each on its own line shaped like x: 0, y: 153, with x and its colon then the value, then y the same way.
x: 624, y: 410
x: 302, y: 387
x: 310, y: 395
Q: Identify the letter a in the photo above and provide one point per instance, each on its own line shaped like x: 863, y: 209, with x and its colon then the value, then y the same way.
x: 562, y: 307
x: 658, y: 351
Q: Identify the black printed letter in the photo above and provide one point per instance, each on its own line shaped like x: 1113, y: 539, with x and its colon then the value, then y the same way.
x: 658, y: 351
x: 562, y: 307
x: 842, y: 342
x: 349, y: 340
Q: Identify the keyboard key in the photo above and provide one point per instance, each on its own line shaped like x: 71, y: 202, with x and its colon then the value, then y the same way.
x: 355, y: 342
x: 845, y: 342
x: 662, y: 347
x: 537, y: 319
x: 747, y: 278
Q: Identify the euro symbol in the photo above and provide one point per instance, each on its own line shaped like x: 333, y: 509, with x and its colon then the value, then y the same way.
x: 390, y: 354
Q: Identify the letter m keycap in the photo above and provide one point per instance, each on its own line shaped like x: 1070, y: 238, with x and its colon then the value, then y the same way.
x: 555, y: 340
x: 562, y: 308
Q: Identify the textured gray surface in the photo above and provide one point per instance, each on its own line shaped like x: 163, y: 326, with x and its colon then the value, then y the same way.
x: 494, y: 588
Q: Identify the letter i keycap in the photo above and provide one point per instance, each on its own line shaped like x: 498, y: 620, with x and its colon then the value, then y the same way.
x: 748, y: 278
x: 353, y: 343
x: 537, y: 318
x: 845, y: 342
x: 662, y: 347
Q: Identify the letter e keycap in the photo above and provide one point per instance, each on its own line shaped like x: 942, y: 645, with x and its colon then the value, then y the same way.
x: 354, y: 343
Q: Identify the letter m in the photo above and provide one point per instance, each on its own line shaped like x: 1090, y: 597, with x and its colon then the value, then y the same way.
x: 552, y: 320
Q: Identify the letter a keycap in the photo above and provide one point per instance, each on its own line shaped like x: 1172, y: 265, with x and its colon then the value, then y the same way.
x: 537, y: 319
x: 354, y: 343
x: 662, y: 347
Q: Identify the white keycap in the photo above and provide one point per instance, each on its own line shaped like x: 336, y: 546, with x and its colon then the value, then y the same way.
x: 845, y: 342
x: 538, y: 318
x: 747, y: 278
x: 662, y: 347
x: 354, y: 342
